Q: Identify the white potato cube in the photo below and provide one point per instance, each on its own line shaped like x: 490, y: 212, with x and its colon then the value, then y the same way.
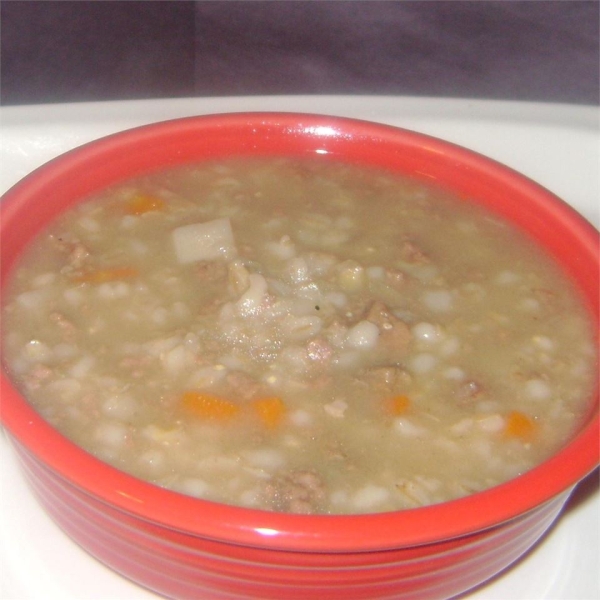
x: 204, y: 241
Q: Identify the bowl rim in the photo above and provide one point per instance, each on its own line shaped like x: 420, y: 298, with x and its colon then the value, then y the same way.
x: 246, y: 526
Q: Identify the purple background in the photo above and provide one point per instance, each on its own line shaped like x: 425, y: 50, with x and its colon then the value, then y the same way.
x: 59, y: 51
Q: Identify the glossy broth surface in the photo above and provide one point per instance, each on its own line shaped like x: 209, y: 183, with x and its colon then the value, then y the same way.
x: 299, y: 336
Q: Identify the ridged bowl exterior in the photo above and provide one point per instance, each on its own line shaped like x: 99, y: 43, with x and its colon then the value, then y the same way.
x: 190, y: 549
x: 178, y: 564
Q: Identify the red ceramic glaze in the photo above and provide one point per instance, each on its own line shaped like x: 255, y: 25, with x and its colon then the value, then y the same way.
x: 187, y: 548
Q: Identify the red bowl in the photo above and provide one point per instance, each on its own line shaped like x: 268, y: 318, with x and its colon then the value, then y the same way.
x: 183, y: 547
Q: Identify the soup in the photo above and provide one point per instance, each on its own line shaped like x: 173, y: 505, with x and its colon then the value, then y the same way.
x: 300, y: 336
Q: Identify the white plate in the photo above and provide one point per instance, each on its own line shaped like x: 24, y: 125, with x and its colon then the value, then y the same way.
x: 556, y: 145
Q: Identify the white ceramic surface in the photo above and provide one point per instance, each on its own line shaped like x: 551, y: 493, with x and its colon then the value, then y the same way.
x: 556, y: 145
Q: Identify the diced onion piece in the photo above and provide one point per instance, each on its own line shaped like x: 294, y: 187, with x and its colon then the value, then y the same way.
x: 35, y: 350
x: 352, y: 276
x: 284, y: 249
x: 301, y: 328
x: 370, y: 496
x: 177, y: 359
x: 111, y: 433
x: 82, y: 366
x: 204, y: 241
x: 252, y: 299
x: 538, y: 389
x: 438, y: 300
x: 336, y: 409
x: 407, y: 428
x: 193, y: 486
x: 32, y: 300
x: 239, y: 277
x: 265, y: 458
x: 491, y: 423
x: 423, y: 362
x: 120, y: 406
x: 297, y: 269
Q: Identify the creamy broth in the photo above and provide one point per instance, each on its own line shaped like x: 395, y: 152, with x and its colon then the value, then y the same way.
x: 299, y: 336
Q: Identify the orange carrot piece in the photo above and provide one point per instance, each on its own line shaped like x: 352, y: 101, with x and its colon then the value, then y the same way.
x: 106, y: 275
x: 207, y: 406
x: 398, y: 405
x: 520, y: 426
x: 143, y: 203
x: 270, y: 411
